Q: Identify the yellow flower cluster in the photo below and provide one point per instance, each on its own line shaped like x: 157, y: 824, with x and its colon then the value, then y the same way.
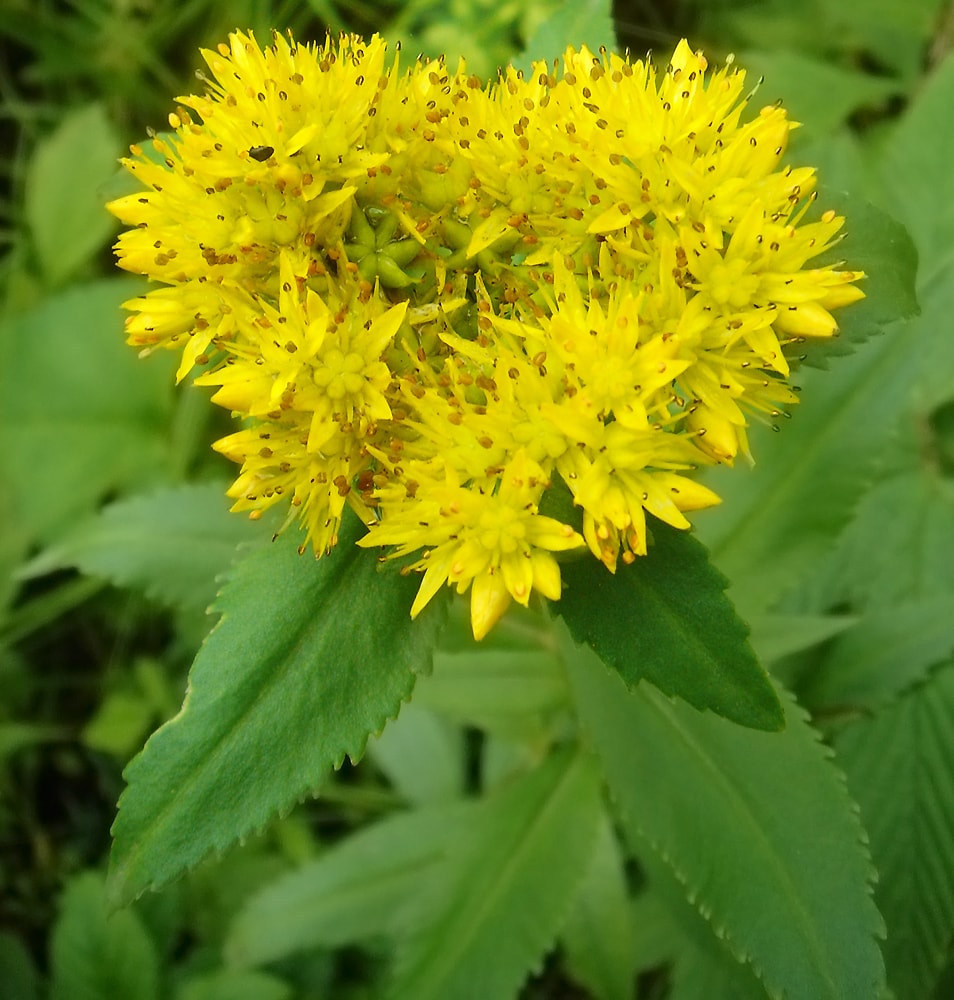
x: 446, y: 304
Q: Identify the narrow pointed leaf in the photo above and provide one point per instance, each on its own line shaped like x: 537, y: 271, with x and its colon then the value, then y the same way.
x: 308, y: 660
x: 900, y: 767
x: 666, y: 619
x: 489, y: 913
x: 352, y: 893
x: 757, y: 826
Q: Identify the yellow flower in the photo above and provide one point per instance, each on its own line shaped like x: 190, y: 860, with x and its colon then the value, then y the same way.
x: 436, y: 300
x: 486, y: 533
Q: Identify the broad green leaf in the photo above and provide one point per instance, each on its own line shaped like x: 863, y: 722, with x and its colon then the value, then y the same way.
x: 778, y: 520
x: 666, y: 619
x: 597, y: 939
x: 888, y: 651
x: 819, y: 93
x: 758, y: 828
x: 584, y: 22
x: 354, y: 892
x: 80, y: 416
x: 235, y: 984
x: 96, y: 954
x: 489, y: 913
x: 171, y: 544
x: 63, y: 208
x: 900, y: 768
x: 421, y: 754
x: 309, y: 658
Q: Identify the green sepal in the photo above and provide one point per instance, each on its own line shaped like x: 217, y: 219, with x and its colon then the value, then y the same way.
x: 666, y: 619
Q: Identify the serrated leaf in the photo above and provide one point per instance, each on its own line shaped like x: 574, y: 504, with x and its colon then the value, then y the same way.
x: 887, y: 652
x: 354, y: 892
x: 493, y: 908
x: 171, y: 544
x: 597, y: 939
x: 900, y: 767
x: 758, y: 827
x: 701, y: 963
x: 666, y: 619
x: 308, y: 660
x: 95, y: 954
x: 905, y: 522
x: 80, y: 416
x: 65, y: 214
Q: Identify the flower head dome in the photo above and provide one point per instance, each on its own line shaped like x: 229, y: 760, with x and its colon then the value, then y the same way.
x: 436, y: 301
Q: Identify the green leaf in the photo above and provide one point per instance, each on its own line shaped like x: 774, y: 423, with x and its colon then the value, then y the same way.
x: 308, y: 660
x: 235, y: 984
x: 579, y: 23
x: 494, y: 906
x: 667, y: 620
x: 758, y: 827
x: 16, y: 736
x: 888, y: 651
x: 504, y: 691
x: 354, y: 892
x: 900, y: 767
x: 701, y: 964
x: 821, y: 94
x: 421, y: 754
x: 171, y: 544
x: 94, y: 954
x: 80, y: 416
x: 598, y: 937
x: 916, y: 171
x: 779, y: 635
x: 877, y: 244
x: 778, y: 520
x: 905, y: 522
x: 121, y: 722
x: 63, y: 209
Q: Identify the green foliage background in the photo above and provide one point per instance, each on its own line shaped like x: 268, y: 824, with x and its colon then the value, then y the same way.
x: 535, y: 823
